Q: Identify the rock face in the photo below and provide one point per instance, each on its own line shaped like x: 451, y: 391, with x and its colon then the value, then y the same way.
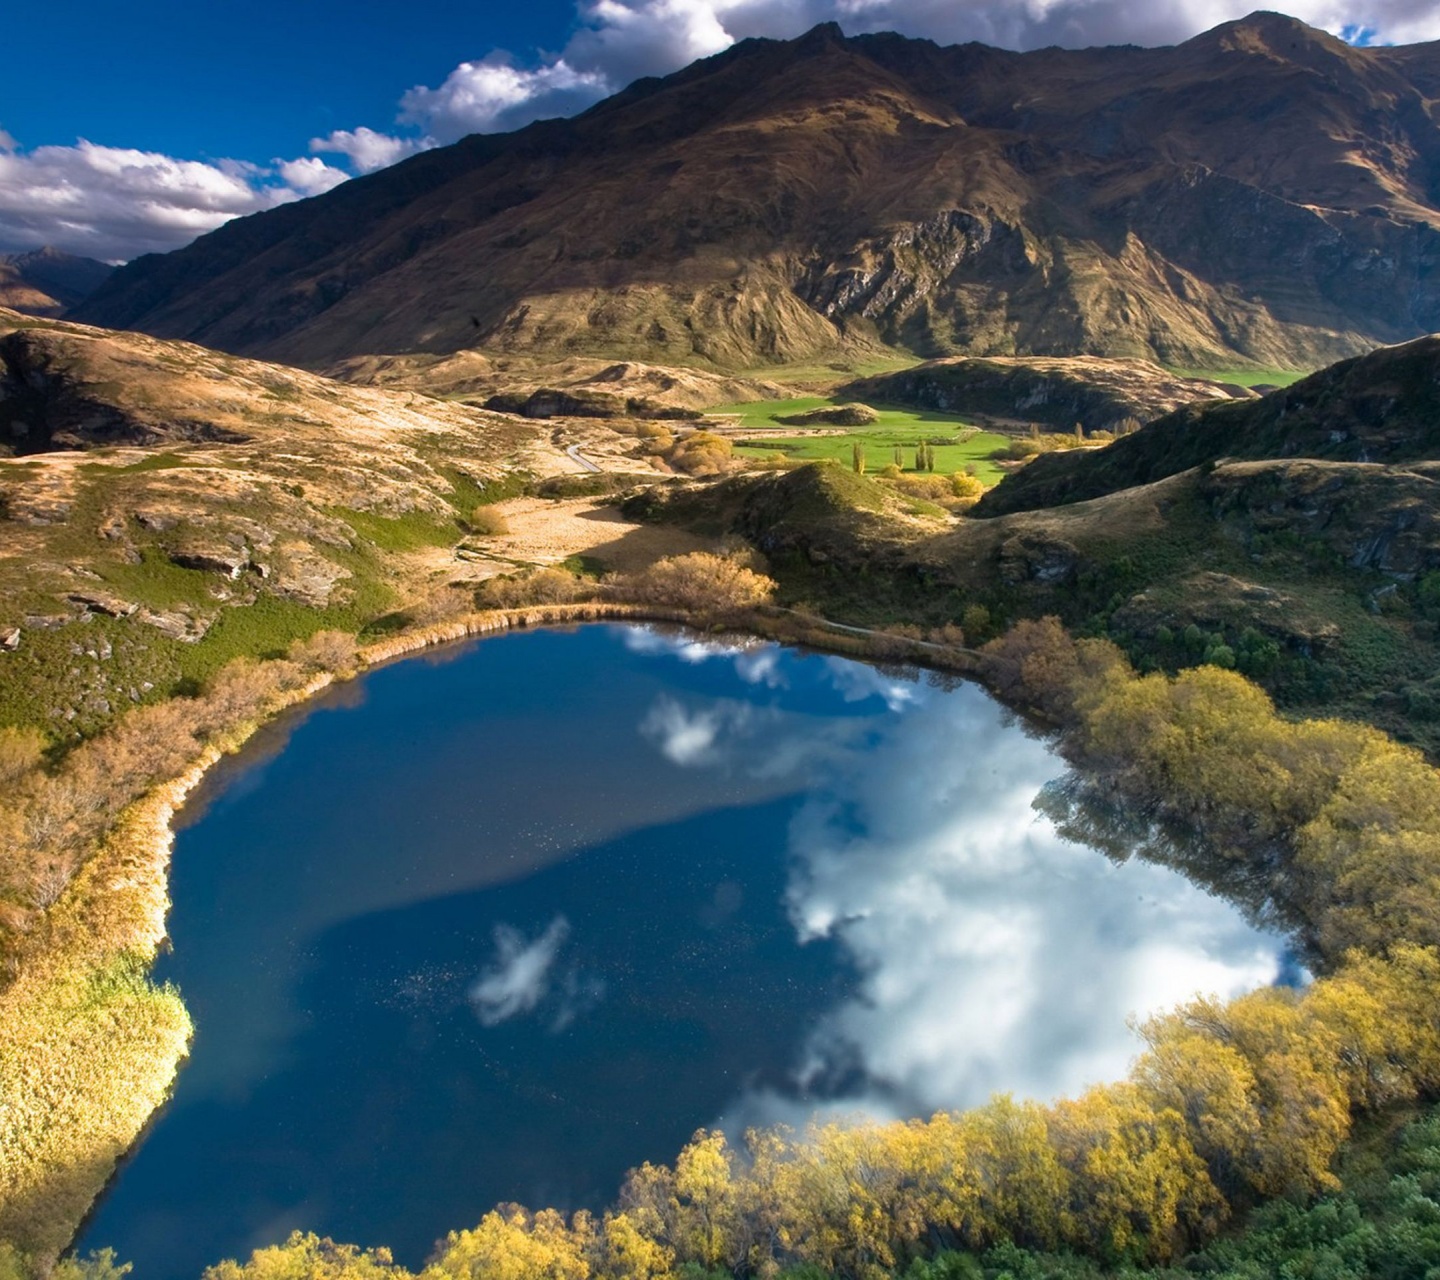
x: 840, y: 415
x: 1380, y: 408
x: 1262, y: 192
x: 1099, y: 394
x: 582, y: 402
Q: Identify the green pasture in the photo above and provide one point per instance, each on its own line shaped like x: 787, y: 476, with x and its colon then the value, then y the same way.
x: 903, y: 427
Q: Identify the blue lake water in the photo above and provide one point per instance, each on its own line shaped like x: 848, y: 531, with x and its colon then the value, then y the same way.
x: 499, y: 923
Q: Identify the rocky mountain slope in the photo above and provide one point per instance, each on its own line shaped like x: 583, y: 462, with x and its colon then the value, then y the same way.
x: 1261, y: 193
x: 47, y: 282
x: 1097, y: 394
x: 1380, y: 408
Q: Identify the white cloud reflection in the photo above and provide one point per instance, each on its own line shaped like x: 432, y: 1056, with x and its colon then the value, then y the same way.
x: 755, y: 663
x: 688, y: 737
x: 520, y: 977
x: 993, y: 955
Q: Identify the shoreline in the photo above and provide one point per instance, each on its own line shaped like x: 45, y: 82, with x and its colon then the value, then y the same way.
x: 52, y: 1180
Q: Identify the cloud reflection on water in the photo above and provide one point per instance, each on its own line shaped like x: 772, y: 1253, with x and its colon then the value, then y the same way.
x: 995, y: 955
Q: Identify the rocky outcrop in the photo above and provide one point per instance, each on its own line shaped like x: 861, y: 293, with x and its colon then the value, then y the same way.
x: 583, y: 402
x: 840, y: 415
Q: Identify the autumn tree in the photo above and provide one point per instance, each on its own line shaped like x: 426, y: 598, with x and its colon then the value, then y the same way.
x: 309, y: 1257
x: 1138, y: 1189
x: 511, y: 1243
x: 702, y: 581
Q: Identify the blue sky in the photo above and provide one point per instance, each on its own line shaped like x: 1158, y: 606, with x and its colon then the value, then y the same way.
x: 242, y: 78
x: 132, y: 128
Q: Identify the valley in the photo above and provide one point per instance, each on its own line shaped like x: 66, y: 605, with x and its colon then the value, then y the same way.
x: 653, y: 691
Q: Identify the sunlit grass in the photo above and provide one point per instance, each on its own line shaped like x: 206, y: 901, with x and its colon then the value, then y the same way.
x: 1247, y: 377
x: 904, y: 428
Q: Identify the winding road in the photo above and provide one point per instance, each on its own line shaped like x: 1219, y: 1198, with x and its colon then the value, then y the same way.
x: 574, y: 452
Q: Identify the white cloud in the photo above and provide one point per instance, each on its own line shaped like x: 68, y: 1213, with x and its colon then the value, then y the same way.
x: 308, y: 176
x: 7, y: 142
x: 521, y: 977
x: 755, y: 662
x: 493, y: 95
x: 688, y: 737
x: 368, y: 150
x: 857, y: 682
x: 115, y: 203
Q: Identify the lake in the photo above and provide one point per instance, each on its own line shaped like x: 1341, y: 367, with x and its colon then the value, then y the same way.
x: 500, y: 922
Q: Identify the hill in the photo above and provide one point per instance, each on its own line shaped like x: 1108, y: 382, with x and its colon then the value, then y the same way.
x: 1262, y: 193
x: 47, y: 282
x: 1099, y: 394
x: 179, y: 503
x: 1383, y: 407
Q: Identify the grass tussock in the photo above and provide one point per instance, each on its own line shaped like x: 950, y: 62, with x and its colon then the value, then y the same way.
x: 88, y: 1045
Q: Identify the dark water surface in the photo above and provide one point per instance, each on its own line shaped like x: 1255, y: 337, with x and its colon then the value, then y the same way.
x: 502, y: 923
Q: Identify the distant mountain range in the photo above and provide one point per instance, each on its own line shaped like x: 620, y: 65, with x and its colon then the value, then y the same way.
x: 47, y: 282
x: 1263, y: 193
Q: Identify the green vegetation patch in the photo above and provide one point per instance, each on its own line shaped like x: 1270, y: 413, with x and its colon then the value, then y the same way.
x: 156, y: 581
x: 956, y: 442
x: 1246, y: 377
x: 166, y: 461
x: 410, y: 532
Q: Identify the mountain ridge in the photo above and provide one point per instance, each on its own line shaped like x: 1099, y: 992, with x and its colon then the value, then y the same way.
x: 1261, y: 194
x: 47, y: 281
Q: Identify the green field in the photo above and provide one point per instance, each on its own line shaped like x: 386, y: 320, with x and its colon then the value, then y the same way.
x: 905, y: 427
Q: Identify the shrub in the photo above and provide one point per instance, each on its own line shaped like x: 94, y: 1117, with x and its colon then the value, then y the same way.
x: 701, y: 453
x: 542, y: 586
x: 976, y: 622
x: 487, y: 522
x: 966, y: 486
x: 1016, y: 451
x: 326, y: 651
x: 706, y: 583
x: 931, y: 488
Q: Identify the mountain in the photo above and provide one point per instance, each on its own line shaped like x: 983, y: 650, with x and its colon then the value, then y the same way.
x: 47, y: 282
x: 1261, y: 194
x: 1380, y: 408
